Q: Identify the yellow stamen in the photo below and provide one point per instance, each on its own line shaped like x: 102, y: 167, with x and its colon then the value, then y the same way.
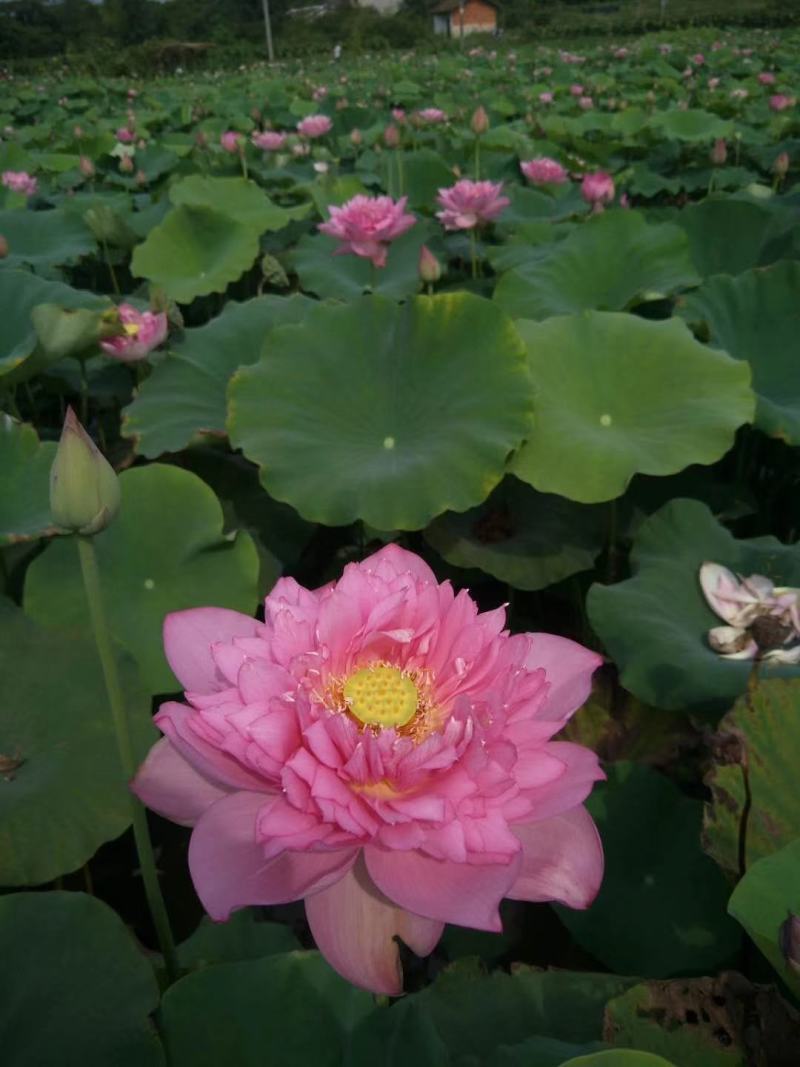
x: 381, y: 696
x: 131, y: 329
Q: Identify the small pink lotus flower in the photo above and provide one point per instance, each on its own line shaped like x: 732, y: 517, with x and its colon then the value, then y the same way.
x: 19, y: 181
x: 546, y: 98
x: 399, y: 115
x: 698, y: 59
x: 366, y: 226
x: 621, y: 53
x: 320, y: 93
x: 713, y: 83
x: 231, y: 141
x: 144, y: 331
x: 576, y: 89
x: 766, y: 77
x: 780, y: 102
x: 125, y: 135
x: 586, y: 103
x: 269, y: 140
x: 432, y: 116
x: 313, y: 126
x: 543, y: 171
x: 391, y: 136
x: 382, y: 750
x: 597, y: 188
x: 468, y: 204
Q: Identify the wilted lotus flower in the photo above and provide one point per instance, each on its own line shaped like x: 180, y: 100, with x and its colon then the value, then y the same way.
x: 762, y: 620
x: 766, y: 77
x: 597, y: 188
x: 468, y: 204
x: 780, y: 102
x: 314, y: 126
x: 366, y: 226
x: 381, y: 749
x: 143, y: 331
x: 543, y: 171
x: 269, y: 140
x: 19, y: 181
x: 230, y: 141
x: 432, y: 116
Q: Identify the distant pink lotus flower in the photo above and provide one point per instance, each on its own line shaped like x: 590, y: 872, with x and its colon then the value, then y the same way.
x: 543, y: 171
x: 399, y: 115
x: 231, y: 141
x: 586, y: 103
x: 597, y: 188
x: 125, y: 135
x: 144, y: 331
x: 320, y: 92
x: 621, y: 53
x: 766, y: 77
x: 383, y: 750
x: 313, y: 126
x: 19, y: 181
x: 432, y: 116
x: 366, y: 226
x: 546, y: 98
x: 780, y: 102
x: 576, y: 89
x: 468, y: 204
x: 269, y: 140
x: 713, y: 83
x: 698, y: 59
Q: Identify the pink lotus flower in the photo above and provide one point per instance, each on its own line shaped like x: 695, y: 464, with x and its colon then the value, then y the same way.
x: 766, y: 77
x: 125, y: 135
x: 269, y: 140
x: 19, y: 181
x: 230, y: 141
x: 780, y: 102
x: 597, y: 188
x: 432, y: 116
x: 366, y: 226
x: 468, y: 204
x: 586, y: 103
x: 576, y: 90
x: 713, y: 83
x: 399, y: 115
x: 698, y: 59
x: 382, y: 750
x: 314, y: 126
x: 545, y: 98
x: 144, y: 331
x: 543, y: 171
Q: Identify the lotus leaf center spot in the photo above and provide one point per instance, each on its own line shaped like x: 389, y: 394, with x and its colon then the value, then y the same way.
x: 381, y: 696
x: 388, y: 443
x: 149, y: 583
x: 605, y: 420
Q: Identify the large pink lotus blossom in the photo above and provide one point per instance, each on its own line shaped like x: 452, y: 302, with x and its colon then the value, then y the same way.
x: 366, y: 226
x: 468, y: 204
x: 314, y: 126
x: 543, y: 171
x: 381, y: 749
x: 144, y: 331
x: 597, y: 188
x: 432, y: 116
x: 19, y: 181
x: 269, y: 140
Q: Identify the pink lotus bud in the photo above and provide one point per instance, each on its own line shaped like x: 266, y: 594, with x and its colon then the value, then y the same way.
x: 141, y: 178
x: 789, y: 941
x: 479, y: 122
x: 597, y: 188
x: 126, y: 165
x: 356, y: 137
x: 86, y: 167
x: 391, y: 137
x: 125, y: 135
x: 781, y: 165
x: 719, y: 153
x: 230, y: 141
x: 430, y: 269
x: 84, y: 490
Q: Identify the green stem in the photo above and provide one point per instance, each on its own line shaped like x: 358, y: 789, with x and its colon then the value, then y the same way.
x: 612, y: 542
x: 477, y: 158
x: 84, y: 392
x: 242, y: 159
x: 144, y: 847
x: 473, y: 248
x: 110, y: 265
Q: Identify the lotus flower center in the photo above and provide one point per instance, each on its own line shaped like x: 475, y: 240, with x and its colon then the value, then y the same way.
x: 381, y: 696
x: 131, y: 329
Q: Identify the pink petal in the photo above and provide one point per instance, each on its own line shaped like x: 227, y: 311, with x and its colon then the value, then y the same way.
x: 572, y: 788
x: 228, y: 867
x: 461, y: 893
x: 188, y: 637
x: 393, y: 560
x: 569, y: 668
x: 169, y: 785
x: 354, y: 926
x: 219, y: 767
x: 562, y: 860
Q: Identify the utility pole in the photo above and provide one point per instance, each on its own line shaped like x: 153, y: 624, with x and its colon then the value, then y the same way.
x: 268, y: 31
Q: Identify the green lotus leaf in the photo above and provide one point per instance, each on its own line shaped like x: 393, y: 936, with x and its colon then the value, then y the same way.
x: 237, y: 198
x: 24, y: 482
x: 762, y: 900
x: 655, y: 624
x: 63, y: 791
x: 637, y: 260
x: 729, y: 236
x: 529, y: 540
x: 385, y: 413
x: 424, y: 172
x: 661, y: 907
x: 44, y: 238
x: 195, y: 251
x: 612, y: 391
x: 164, y: 552
x: 185, y: 394
x: 692, y: 126
x: 756, y: 317
x: 619, y: 1057
x: 753, y: 772
x: 243, y: 937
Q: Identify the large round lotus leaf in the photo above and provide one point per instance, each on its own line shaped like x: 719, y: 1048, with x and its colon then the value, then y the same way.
x: 769, y: 891
x: 729, y: 236
x: 195, y: 251
x: 756, y: 317
x: 164, y: 552
x: 755, y: 808
x: 385, y: 413
x: 293, y: 1002
x: 424, y: 173
x: 522, y: 537
x: 185, y: 394
x: 245, y: 936
x: 20, y: 292
x: 655, y: 624
x: 75, y: 988
x: 24, y: 482
x: 619, y: 1057
x: 617, y: 395
x: 346, y: 277
x: 693, y: 125
x: 43, y: 238
x: 62, y: 788
x: 604, y: 264
x: 241, y: 200
x: 661, y: 908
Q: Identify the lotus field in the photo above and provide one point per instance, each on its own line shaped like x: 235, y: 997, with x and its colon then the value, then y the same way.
x: 399, y: 509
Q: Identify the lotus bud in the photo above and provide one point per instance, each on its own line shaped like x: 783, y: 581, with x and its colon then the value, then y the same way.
x: 77, y: 133
x: 430, y: 269
x: 141, y: 178
x: 479, y: 121
x: 86, y: 167
x: 781, y: 165
x: 126, y: 165
x: 391, y: 137
x: 3, y: 247
x: 789, y: 941
x: 719, y: 153
x: 355, y: 137
x: 84, y: 490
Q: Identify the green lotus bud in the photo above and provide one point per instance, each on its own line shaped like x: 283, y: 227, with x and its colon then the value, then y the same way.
x: 84, y: 490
